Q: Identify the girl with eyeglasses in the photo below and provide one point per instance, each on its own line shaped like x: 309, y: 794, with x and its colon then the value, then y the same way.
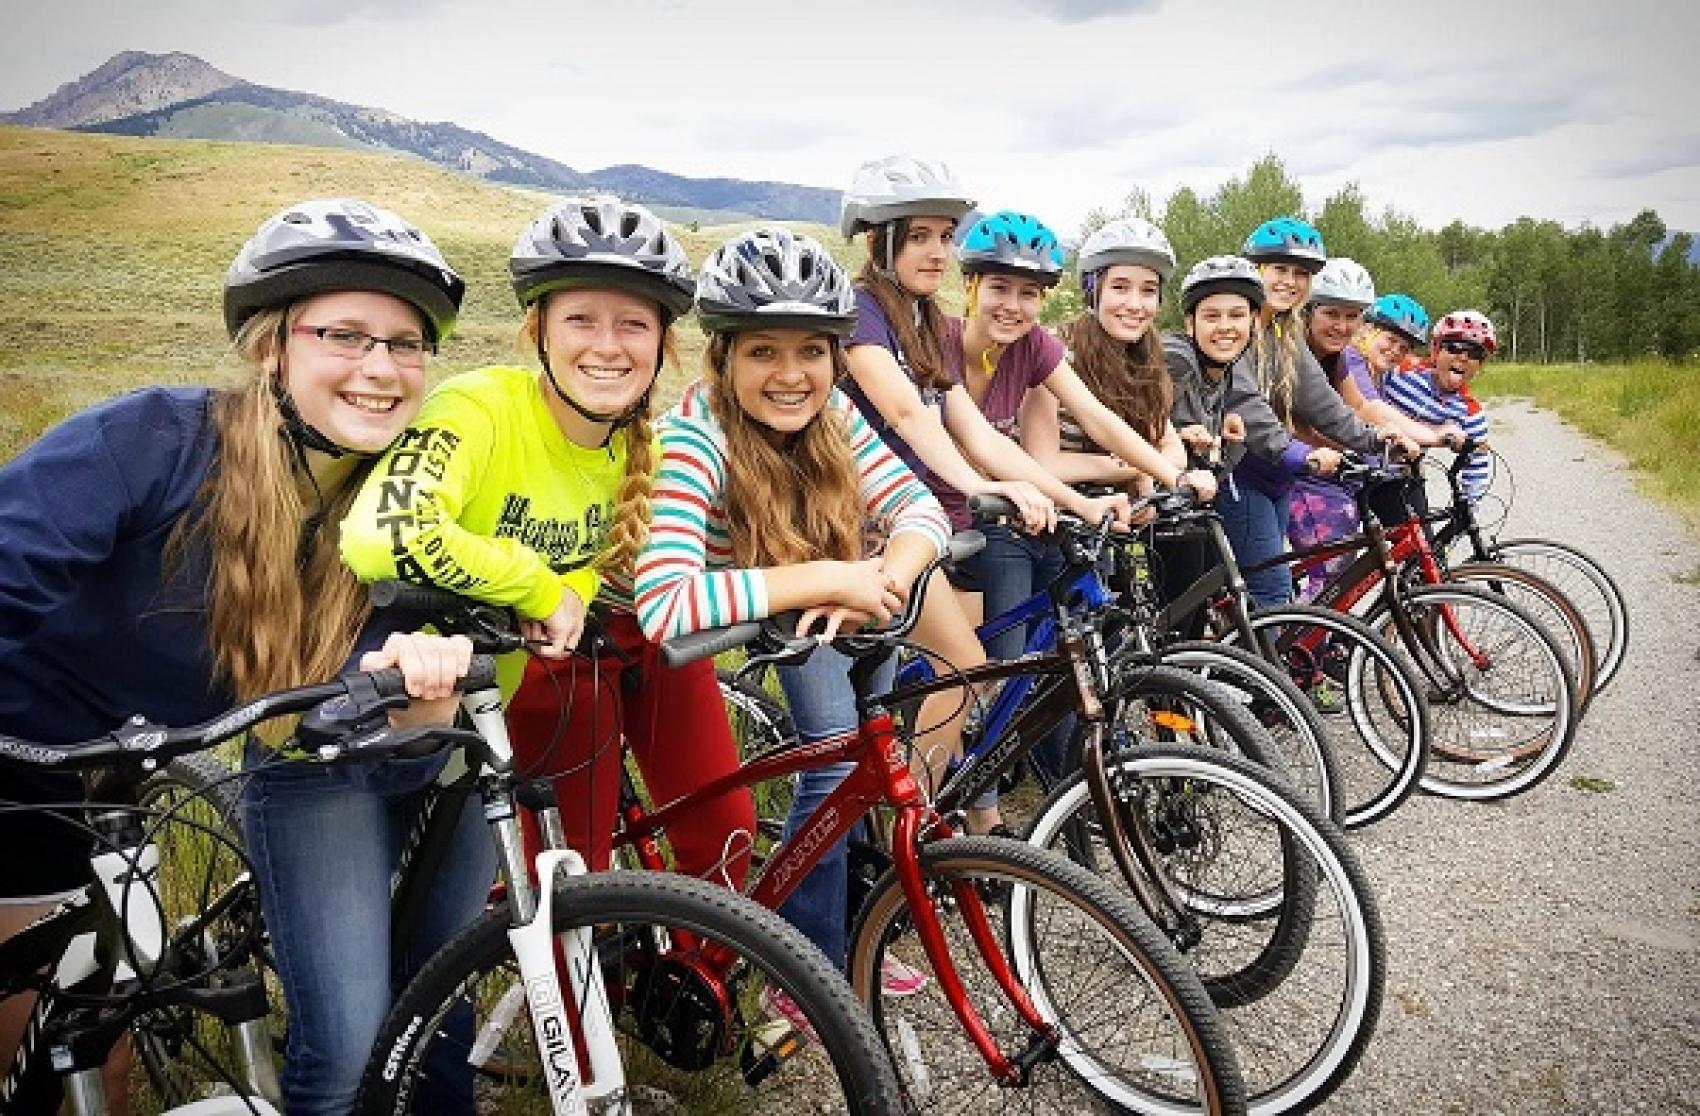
x: 174, y: 551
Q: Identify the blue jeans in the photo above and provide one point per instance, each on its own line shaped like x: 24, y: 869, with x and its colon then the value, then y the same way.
x: 1011, y: 568
x: 1256, y: 526
x: 323, y: 843
x: 822, y: 705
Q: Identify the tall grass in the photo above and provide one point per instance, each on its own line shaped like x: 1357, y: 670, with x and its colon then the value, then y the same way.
x: 1649, y: 410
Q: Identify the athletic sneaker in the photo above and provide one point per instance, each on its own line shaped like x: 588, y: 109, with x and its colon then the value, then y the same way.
x: 899, y: 978
x: 778, y: 1002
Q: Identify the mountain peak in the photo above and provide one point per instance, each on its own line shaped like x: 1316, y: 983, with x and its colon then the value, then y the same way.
x: 126, y: 84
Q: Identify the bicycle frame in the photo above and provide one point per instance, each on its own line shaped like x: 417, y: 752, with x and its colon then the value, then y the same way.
x: 881, y: 777
x: 113, y: 935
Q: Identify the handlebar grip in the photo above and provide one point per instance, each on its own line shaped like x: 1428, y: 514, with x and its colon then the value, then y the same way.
x: 480, y: 675
x: 688, y: 648
x: 408, y: 597
x: 991, y: 506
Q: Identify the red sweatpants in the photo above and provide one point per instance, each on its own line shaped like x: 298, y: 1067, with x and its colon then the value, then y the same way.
x: 567, y: 720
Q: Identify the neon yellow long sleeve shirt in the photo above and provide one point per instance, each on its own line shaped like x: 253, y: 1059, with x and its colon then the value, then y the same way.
x: 484, y: 496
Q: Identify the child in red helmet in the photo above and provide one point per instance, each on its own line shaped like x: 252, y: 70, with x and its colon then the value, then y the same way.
x: 1440, y: 391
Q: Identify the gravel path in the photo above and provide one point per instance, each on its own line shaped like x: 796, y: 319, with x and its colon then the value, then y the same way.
x: 1544, y: 953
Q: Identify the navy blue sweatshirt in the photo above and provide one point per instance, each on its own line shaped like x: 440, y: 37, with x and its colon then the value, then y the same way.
x: 89, y: 631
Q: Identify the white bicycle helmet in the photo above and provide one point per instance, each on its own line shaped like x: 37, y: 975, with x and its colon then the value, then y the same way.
x: 1342, y: 282
x: 899, y: 186
x: 1219, y: 275
x: 1128, y: 240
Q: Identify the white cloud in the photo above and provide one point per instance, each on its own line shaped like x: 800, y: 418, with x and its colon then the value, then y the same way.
x: 1478, y: 111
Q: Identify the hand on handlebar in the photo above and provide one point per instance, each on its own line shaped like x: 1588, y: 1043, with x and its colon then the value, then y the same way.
x: 1038, y: 512
x: 1322, y: 461
x: 1202, y: 482
x: 1400, y: 447
x: 557, y: 634
x: 430, y: 664
x: 1093, y: 509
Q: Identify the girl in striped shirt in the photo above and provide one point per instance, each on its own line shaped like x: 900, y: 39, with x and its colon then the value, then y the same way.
x: 769, y: 479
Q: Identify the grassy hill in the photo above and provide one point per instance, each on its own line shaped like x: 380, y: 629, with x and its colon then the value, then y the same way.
x: 113, y: 251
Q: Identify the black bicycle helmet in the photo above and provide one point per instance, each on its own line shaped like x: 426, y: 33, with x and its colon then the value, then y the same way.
x: 773, y: 277
x: 601, y: 241
x: 341, y: 244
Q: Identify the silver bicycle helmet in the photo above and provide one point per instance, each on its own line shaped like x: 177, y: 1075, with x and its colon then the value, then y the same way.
x: 601, y: 241
x: 1128, y: 240
x: 773, y: 277
x: 1342, y: 282
x: 898, y: 186
x: 1221, y: 275
x: 341, y: 244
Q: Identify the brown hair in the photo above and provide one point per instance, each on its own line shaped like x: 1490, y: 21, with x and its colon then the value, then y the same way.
x: 282, y: 608
x: 918, y: 322
x: 629, y: 530
x: 1132, y: 380
x: 797, y: 502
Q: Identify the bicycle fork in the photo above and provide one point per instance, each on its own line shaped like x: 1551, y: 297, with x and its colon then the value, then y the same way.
x: 574, y: 1032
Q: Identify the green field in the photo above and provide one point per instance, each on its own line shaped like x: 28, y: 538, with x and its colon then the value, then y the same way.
x: 112, y: 251
x: 1650, y: 410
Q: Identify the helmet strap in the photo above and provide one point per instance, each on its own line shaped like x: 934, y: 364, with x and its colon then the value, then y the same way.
x: 300, y: 434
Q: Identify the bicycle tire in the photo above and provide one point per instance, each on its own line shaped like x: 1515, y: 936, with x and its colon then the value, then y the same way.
x: 1380, y: 738
x: 182, y: 1054
x: 1137, y: 991
x: 1295, y: 729
x: 1554, y: 611
x: 1299, y: 1038
x: 1497, y: 732
x: 1590, y: 588
x: 630, y: 912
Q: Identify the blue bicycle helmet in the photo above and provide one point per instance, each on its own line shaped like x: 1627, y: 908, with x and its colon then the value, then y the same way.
x: 1014, y: 244
x: 1286, y: 240
x: 1402, y: 314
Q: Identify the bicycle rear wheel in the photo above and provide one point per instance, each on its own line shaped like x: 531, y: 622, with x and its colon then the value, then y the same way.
x: 1299, y: 1007
x: 1137, y: 1032
x: 693, y: 1037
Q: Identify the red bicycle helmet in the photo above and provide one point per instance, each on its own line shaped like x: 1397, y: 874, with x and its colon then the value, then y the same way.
x: 1466, y: 325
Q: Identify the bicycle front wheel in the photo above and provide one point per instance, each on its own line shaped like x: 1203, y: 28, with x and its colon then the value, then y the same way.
x: 1296, y: 731
x: 1301, y: 986
x: 1372, y: 702
x: 694, y: 1034
x: 1504, y: 707
x: 1136, y: 1031
x: 1589, y: 587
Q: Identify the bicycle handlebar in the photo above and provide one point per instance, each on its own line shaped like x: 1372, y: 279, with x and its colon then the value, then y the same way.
x: 789, y: 648
x: 139, y: 739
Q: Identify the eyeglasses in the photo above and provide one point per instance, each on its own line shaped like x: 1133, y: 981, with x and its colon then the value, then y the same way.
x: 352, y: 344
x: 1464, y: 348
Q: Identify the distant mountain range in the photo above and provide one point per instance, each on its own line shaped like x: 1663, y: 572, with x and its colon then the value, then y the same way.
x: 181, y: 96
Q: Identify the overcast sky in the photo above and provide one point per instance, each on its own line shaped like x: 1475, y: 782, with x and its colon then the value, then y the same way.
x: 1481, y: 109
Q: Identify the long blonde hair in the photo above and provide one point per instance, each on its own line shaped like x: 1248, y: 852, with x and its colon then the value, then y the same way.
x: 799, y: 502
x: 1275, y: 358
x: 629, y: 530
x: 282, y: 608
